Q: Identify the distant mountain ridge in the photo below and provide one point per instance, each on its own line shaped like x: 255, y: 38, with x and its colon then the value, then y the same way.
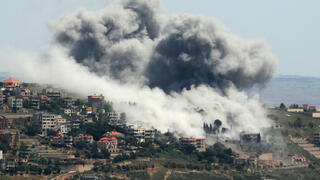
x: 290, y: 90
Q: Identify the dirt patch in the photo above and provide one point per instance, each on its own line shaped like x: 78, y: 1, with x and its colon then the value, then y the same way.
x: 168, y: 173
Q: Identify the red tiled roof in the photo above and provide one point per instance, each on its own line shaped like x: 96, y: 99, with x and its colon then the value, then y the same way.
x: 8, y: 133
x: 11, y: 80
x: 10, y: 86
x: 193, y: 139
x: 116, y: 133
x: 105, y: 139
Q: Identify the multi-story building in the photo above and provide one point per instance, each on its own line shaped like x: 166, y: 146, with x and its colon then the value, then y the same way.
x: 108, y: 144
x: 250, y: 138
x: 198, y: 143
x: 5, y: 123
x: 83, y: 138
x: 46, y: 121
x: 12, y: 138
x: 11, y: 83
x: 316, y: 137
x: 114, y: 117
x: 65, y: 128
x: 15, y: 103
x: 35, y: 103
x: 96, y: 102
x: 62, y: 140
x: 51, y: 93
x: 141, y: 133
x: 68, y: 101
x: 24, y: 92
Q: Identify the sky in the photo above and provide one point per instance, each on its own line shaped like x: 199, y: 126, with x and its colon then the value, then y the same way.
x: 290, y: 27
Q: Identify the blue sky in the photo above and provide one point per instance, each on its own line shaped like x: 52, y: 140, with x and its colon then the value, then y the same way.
x: 290, y: 27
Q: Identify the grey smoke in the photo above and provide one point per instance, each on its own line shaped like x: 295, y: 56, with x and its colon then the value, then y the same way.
x: 114, y: 41
x: 168, y: 66
x: 125, y: 41
x: 195, y: 51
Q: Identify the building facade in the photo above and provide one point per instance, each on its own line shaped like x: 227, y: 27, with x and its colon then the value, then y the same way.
x: 198, y: 143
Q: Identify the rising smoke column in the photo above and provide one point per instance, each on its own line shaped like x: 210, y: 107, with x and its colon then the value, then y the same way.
x: 127, y: 40
x: 115, y: 41
x: 169, y: 66
x: 197, y: 50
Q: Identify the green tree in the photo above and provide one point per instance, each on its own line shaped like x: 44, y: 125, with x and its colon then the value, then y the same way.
x: 47, y: 171
x: 298, y: 123
x: 282, y: 106
x: 187, y: 148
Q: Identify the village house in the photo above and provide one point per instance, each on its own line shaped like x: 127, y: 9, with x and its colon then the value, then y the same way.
x: 12, y: 138
x: 306, y: 107
x: 51, y: 93
x: 242, y: 158
x: 10, y: 83
x: 297, y: 160
x: 65, y: 128
x: 198, y: 143
x: 83, y: 138
x: 108, y: 144
x: 120, y: 136
x: 295, y: 110
x: 316, y: 115
x: 317, y: 108
x: 35, y: 103
x: 88, y: 110
x: 267, y: 160
x: 15, y: 103
x: 140, y: 133
x: 68, y: 102
x: 96, y: 102
x: 114, y: 117
x: 24, y: 93
x: 5, y: 123
x: 246, y: 138
x: 46, y: 121
x: 316, y: 137
x: 113, y: 134
x: 61, y: 140
x: 67, y: 112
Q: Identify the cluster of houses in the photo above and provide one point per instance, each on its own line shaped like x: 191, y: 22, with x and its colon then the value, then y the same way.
x: 269, y: 160
x: 56, y: 127
x: 314, y: 111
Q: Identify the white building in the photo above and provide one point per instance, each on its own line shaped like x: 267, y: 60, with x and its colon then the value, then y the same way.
x: 316, y: 115
x: 297, y: 110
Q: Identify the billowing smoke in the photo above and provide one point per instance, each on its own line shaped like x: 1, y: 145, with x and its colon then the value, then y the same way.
x: 179, y: 71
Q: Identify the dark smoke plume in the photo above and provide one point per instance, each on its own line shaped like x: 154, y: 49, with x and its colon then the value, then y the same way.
x: 127, y: 42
